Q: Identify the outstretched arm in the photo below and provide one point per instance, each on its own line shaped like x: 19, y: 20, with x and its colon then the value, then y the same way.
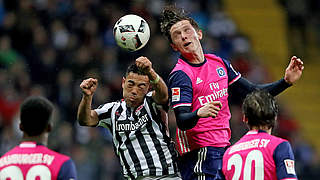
x: 86, y: 116
x: 160, y: 94
x: 294, y: 70
x: 242, y: 87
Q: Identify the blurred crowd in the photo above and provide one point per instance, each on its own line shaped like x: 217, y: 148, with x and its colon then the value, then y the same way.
x: 47, y: 47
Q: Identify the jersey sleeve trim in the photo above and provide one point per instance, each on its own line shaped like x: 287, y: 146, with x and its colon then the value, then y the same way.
x: 182, y: 104
x: 235, y: 79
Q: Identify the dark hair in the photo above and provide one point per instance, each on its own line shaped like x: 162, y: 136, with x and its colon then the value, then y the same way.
x: 260, y: 108
x: 134, y: 69
x: 170, y: 16
x: 35, y: 114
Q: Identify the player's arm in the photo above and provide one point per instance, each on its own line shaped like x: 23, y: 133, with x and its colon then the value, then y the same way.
x: 86, y: 116
x: 67, y: 171
x: 284, y: 161
x: 160, y: 94
x: 242, y: 87
x: 181, y: 101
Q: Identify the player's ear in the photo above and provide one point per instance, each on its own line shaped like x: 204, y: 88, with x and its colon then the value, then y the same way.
x: 123, y: 80
x: 174, y: 47
x: 21, y: 127
x: 49, y: 128
x: 199, y: 34
x: 244, y: 119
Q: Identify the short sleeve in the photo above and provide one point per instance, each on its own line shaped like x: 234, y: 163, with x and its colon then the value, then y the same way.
x: 67, y: 171
x: 180, y: 89
x: 284, y: 160
x: 233, y: 75
x: 104, y: 113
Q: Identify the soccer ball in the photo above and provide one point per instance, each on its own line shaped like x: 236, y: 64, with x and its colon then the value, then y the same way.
x: 131, y: 32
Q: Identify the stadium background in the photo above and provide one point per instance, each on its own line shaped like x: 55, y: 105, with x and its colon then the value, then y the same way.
x: 47, y: 47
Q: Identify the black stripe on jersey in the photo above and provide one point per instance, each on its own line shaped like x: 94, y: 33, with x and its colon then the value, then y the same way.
x: 146, y: 153
x: 123, y: 157
x: 107, y: 114
x: 167, y: 139
x: 158, y: 120
x: 160, y: 152
x: 133, y: 155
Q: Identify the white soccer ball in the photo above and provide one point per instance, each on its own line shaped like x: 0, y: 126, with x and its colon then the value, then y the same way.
x: 131, y: 32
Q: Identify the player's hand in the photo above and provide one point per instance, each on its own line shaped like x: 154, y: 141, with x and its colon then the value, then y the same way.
x: 89, y: 86
x: 144, y: 64
x: 294, y: 70
x: 210, y: 109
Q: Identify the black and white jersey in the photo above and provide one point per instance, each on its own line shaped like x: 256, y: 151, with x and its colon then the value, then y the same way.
x: 140, y: 138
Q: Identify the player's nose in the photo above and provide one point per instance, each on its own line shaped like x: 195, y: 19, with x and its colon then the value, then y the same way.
x: 134, y: 90
x: 184, y: 37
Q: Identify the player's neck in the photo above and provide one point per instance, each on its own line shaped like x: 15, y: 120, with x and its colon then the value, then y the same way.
x: 195, y: 57
x: 42, y: 139
x: 267, y: 129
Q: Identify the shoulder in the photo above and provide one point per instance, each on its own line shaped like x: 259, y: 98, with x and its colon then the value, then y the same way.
x: 9, y: 152
x: 182, y: 66
x: 149, y: 97
x: 278, y: 140
x: 211, y: 56
x: 108, y: 105
x: 178, y: 75
x: 68, y: 170
x: 60, y: 156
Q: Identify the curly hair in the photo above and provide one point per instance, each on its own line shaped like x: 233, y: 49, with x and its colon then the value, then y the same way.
x: 170, y: 16
x: 260, y: 108
x: 35, y: 115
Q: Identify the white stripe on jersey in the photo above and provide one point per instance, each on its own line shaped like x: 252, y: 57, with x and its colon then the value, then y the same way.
x: 183, y: 141
x: 180, y: 140
x: 186, y: 139
x: 140, y: 154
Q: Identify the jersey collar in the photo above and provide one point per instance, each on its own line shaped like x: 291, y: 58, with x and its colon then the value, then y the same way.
x: 194, y: 65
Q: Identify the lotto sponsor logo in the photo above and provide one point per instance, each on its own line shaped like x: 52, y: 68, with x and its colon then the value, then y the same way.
x: 175, y: 94
x: 36, y: 158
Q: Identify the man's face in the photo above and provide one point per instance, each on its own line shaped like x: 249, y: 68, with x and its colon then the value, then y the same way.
x: 135, y: 87
x: 185, y: 38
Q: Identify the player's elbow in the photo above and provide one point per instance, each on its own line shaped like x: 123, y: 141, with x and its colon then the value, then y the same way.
x: 82, y: 123
x: 184, y: 126
x: 86, y: 122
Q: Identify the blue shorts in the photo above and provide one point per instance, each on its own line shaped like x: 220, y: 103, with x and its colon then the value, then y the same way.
x: 202, y: 164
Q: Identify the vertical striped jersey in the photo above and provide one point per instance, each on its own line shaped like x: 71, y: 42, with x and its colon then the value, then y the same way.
x: 140, y: 138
